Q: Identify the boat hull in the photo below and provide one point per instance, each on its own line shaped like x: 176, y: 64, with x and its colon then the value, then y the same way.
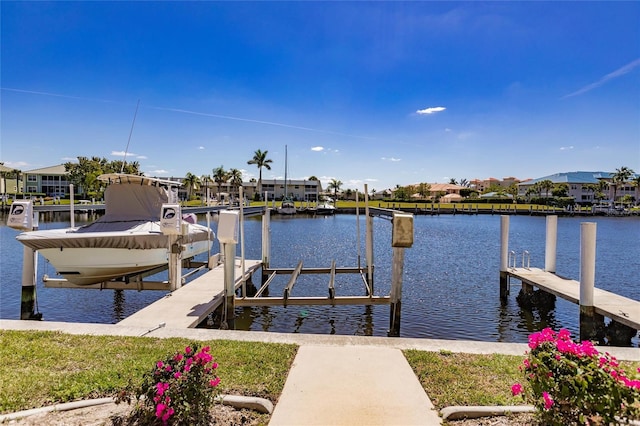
x: 90, y: 266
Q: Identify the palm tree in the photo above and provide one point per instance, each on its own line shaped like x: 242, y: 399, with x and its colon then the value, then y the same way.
x: 260, y: 160
x: 334, y: 185
x: 546, y: 185
x: 235, y: 177
x: 621, y: 175
x: 191, y: 181
x: 220, y: 176
x: 204, y: 179
x: 453, y: 181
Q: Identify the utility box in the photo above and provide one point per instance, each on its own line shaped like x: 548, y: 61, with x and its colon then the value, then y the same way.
x: 402, y: 231
x: 170, y: 219
x: 21, y: 215
x: 228, y: 225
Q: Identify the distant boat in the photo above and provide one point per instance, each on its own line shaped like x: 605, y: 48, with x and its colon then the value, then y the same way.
x: 325, y: 208
x: 287, y: 207
x: 127, y: 240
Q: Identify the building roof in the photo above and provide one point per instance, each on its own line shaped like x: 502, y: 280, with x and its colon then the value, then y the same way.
x: 51, y: 170
x: 572, y: 177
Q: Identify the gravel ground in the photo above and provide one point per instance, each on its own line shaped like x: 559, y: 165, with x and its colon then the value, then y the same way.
x: 103, y: 415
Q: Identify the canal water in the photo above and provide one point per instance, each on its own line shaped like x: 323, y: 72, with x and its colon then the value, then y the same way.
x: 450, y: 283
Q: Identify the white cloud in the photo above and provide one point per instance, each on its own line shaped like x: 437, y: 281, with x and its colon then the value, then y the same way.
x: 16, y: 165
x: 566, y: 148
x: 393, y: 159
x: 158, y: 172
x: 123, y: 153
x: 72, y: 159
x: 615, y: 74
x: 141, y: 157
x: 317, y: 148
x: 430, y: 110
x: 201, y: 147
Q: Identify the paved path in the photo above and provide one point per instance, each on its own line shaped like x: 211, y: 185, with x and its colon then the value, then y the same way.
x: 352, y: 385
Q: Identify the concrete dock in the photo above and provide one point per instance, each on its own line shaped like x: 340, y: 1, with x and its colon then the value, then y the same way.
x: 619, y: 308
x: 189, y: 305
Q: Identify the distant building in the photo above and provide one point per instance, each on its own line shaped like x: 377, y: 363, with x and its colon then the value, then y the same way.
x: 482, y: 185
x: 51, y: 181
x: 299, y: 190
x: 579, y: 185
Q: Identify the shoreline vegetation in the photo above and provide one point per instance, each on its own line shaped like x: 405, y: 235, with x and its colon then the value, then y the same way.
x: 44, y: 368
x: 416, y: 207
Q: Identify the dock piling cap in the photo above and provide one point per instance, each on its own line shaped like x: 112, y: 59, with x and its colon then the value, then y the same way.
x: 402, y: 232
x: 228, y: 225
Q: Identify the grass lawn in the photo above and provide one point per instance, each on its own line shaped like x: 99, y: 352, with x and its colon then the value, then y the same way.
x: 43, y: 368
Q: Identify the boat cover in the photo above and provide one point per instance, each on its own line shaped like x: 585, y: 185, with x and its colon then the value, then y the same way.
x: 131, y: 221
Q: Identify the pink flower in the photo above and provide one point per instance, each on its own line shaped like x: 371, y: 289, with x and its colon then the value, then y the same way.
x: 160, y: 410
x: 215, y: 382
x: 166, y: 415
x: 178, y: 357
x: 187, y: 350
x: 161, y: 388
x: 548, y: 401
x: 516, y: 389
x: 177, y: 375
x: 159, y: 364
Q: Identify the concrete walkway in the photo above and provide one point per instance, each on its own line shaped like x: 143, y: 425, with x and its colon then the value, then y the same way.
x: 334, y: 380
x: 352, y: 385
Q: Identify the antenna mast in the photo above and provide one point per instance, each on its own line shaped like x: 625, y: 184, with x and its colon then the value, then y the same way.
x: 124, y: 160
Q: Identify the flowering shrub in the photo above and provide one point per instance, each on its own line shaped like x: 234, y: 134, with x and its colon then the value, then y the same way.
x: 180, y: 390
x: 572, y: 383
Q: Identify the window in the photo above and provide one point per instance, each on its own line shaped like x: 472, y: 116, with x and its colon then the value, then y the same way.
x: 32, y: 178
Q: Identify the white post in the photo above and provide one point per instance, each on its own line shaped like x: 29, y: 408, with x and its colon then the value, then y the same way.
x: 504, y: 257
x: 266, y: 237
x: 71, y: 206
x: 244, y: 284
x: 551, y: 243
x: 358, y: 227
x: 587, y: 262
x: 229, y: 282
x: 396, y: 291
x: 175, y: 262
x: 504, y: 242
x: 368, y: 239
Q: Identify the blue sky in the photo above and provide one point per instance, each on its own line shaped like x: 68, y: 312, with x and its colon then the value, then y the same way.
x: 377, y: 93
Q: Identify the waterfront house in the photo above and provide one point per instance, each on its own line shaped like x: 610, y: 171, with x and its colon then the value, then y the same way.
x: 580, y: 184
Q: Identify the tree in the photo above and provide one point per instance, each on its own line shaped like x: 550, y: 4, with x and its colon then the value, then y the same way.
x: 205, y: 179
x: 453, y: 181
x: 191, y: 181
x: 235, y: 177
x: 620, y: 177
x: 85, y: 172
x: 220, y: 176
x: 334, y: 185
x: 424, y: 189
x: 546, y: 186
x: 464, y: 182
x: 560, y: 190
x: 260, y: 160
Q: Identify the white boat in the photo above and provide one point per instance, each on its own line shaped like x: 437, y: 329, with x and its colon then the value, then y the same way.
x: 325, y: 208
x: 287, y: 207
x: 127, y: 240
